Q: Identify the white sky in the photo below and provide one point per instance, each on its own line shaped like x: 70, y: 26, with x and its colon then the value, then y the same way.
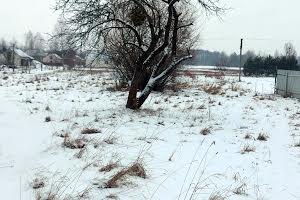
x: 19, y: 16
x: 274, y: 21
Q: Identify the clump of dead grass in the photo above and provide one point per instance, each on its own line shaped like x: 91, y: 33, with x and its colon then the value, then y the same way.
x: 112, y: 196
x: 247, y: 149
x: 205, y: 131
x: 38, y: 183
x: 297, y: 144
x: 48, y: 108
x: 79, y: 143
x: 262, y: 137
x: 48, y: 119
x: 88, y: 131
x: 235, y: 87
x: 216, y: 196
x: 214, y: 88
x: 136, y: 169
x: 109, y: 167
x: 248, y: 136
x: 241, y: 189
x: 177, y: 86
x: 110, y: 140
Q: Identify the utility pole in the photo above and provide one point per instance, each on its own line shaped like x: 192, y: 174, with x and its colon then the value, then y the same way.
x: 13, y: 58
x: 241, y: 54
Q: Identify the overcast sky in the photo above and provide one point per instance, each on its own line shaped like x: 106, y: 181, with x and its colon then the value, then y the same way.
x: 264, y: 24
x: 19, y: 16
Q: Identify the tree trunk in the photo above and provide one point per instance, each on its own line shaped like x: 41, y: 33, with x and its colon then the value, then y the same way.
x: 132, y: 100
x: 146, y: 92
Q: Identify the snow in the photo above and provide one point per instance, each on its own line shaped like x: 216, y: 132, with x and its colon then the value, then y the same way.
x: 164, y: 136
x: 20, y: 145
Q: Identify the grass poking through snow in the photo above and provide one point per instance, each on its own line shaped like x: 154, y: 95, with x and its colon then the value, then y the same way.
x: 247, y: 149
x: 136, y: 169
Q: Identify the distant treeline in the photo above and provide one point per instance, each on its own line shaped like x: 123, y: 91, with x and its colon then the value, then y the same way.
x: 253, y: 64
x: 267, y: 66
x: 215, y: 58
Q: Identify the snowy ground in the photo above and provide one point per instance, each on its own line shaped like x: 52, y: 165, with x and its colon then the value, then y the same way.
x: 192, y: 144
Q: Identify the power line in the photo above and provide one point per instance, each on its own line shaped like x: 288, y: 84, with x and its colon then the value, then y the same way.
x: 251, y: 39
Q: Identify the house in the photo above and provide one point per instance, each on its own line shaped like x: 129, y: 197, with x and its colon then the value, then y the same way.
x: 17, y: 57
x: 53, y: 60
x: 71, y: 59
x: 68, y: 58
x: 3, y: 60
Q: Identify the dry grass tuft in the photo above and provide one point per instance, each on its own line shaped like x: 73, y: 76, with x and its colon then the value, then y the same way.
x: 136, y: 169
x: 205, y: 131
x: 248, y: 136
x: 212, y: 88
x: 241, y: 190
x: 112, y: 196
x: 48, y: 108
x: 110, y: 140
x: 48, y: 119
x: 235, y: 87
x: 88, y: 131
x: 80, y: 153
x: 109, y: 167
x: 38, y: 183
x: 178, y: 86
x: 216, y: 196
x: 74, y: 144
x: 262, y: 137
x: 247, y: 149
x: 297, y: 144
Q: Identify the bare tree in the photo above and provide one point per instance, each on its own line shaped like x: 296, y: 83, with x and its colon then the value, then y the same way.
x: 39, y: 41
x: 34, y: 41
x: 148, y: 28
x: 60, y: 38
x: 276, y: 54
x: 29, y: 40
x: 3, y: 45
x: 123, y: 54
x: 290, y: 50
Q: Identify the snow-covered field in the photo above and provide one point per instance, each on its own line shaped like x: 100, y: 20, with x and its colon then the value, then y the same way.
x: 192, y: 144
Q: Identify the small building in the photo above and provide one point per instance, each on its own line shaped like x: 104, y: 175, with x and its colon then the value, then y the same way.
x: 71, y: 59
x: 19, y: 58
x: 53, y: 60
x: 3, y: 60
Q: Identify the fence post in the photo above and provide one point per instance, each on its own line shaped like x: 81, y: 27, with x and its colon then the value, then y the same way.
x: 276, y: 74
x: 286, y: 84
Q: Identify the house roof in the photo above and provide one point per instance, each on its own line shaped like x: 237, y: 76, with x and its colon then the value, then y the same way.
x: 22, y: 54
x: 55, y: 55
